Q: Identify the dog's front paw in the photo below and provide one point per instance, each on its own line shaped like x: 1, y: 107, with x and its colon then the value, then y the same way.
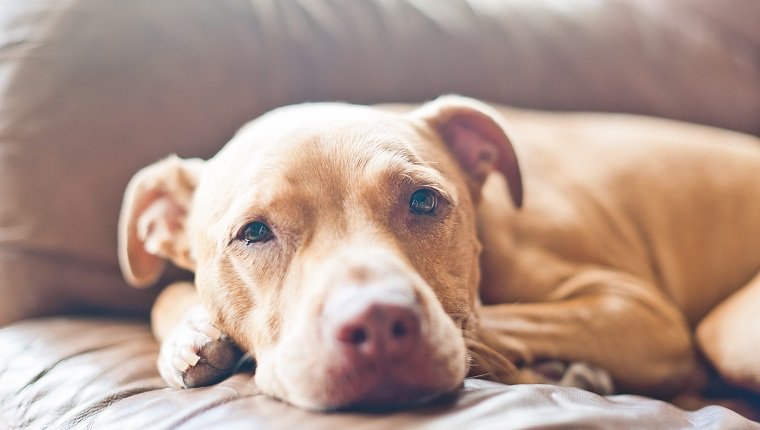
x: 576, y: 374
x: 196, y: 353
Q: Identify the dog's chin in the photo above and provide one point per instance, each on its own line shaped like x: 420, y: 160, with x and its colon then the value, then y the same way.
x: 391, y: 401
x: 379, y: 396
x: 337, y: 387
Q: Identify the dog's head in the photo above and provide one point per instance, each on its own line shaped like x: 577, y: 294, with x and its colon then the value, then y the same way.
x: 336, y: 243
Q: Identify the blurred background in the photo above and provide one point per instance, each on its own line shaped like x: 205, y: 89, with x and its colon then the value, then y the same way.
x: 93, y: 90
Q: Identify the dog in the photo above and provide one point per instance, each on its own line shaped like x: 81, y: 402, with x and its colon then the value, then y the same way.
x: 376, y: 255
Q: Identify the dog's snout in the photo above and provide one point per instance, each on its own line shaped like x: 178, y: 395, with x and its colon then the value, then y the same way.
x: 373, y: 321
x: 381, y: 330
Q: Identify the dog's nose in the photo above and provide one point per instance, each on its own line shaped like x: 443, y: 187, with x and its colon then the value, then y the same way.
x: 373, y: 322
x: 380, y: 330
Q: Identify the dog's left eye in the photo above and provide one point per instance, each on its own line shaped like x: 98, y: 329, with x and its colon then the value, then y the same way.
x: 256, y: 232
x: 423, y: 202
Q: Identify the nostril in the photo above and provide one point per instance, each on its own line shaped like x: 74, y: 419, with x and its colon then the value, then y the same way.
x: 357, y: 336
x: 371, y: 326
x: 398, y: 329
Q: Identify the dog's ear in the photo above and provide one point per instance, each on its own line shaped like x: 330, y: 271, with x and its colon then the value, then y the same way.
x: 474, y: 134
x: 152, y: 220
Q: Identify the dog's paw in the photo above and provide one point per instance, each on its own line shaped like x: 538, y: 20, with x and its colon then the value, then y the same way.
x: 196, y: 353
x: 576, y: 374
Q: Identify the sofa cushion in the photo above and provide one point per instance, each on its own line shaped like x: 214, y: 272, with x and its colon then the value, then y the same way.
x: 94, y: 373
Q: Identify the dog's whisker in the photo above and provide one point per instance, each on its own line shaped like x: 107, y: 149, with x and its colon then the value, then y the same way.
x: 486, y: 356
x: 244, y: 360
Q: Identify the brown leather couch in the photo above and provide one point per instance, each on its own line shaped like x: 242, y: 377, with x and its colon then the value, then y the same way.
x: 92, y: 90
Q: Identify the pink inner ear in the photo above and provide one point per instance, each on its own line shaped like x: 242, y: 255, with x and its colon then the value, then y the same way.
x: 152, y: 224
x: 477, y: 155
x: 481, y: 146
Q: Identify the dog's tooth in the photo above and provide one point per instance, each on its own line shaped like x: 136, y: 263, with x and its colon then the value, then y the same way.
x: 179, y: 363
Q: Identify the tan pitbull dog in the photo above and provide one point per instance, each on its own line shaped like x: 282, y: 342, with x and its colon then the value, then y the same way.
x: 371, y: 256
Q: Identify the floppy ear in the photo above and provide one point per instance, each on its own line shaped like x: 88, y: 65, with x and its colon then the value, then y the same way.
x: 152, y: 220
x: 474, y: 134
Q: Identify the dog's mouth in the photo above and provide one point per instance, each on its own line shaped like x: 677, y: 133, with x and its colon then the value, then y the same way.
x: 381, y: 386
x: 345, y: 380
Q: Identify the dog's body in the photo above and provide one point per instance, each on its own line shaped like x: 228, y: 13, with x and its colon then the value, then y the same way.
x: 633, y: 231
x: 633, y: 235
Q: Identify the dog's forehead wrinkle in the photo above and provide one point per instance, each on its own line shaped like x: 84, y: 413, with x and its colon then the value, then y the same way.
x: 330, y: 165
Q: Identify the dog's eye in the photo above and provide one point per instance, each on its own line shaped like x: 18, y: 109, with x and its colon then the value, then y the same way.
x: 256, y: 232
x: 423, y: 202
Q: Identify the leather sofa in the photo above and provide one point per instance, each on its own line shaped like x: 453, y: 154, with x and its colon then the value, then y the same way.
x: 92, y: 90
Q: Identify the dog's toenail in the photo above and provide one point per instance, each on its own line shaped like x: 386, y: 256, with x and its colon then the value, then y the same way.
x: 179, y: 363
x: 211, y: 331
x: 189, y: 357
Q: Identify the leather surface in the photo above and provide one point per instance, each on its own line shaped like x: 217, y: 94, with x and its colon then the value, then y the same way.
x: 66, y: 373
x: 93, y: 90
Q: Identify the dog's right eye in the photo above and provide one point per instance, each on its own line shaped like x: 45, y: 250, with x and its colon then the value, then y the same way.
x: 423, y: 202
x: 256, y: 232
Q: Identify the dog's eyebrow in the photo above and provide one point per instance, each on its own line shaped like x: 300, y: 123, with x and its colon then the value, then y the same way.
x: 393, y: 152
x: 423, y: 178
x: 403, y: 165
